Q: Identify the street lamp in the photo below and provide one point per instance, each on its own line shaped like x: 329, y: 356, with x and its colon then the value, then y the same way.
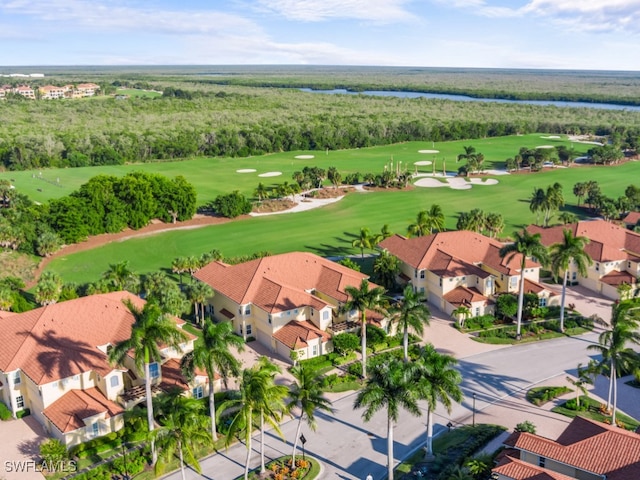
x: 303, y: 441
x: 124, y: 457
x: 474, y: 410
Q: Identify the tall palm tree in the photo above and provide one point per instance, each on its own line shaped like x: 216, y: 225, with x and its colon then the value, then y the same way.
x: 363, y: 241
x: 461, y: 314
x: 363, y: 299
x: 612, y: 345
x: 198, y: 293
x: 410, y: 312
x: 435, y: 215
x: 391, y: 387
x: 537, y: 202
x: 494, y: 223
x: 253, y: 385
x: 150, y: 329
x: 260, y: 192
x: 421, y: 227
x: 525, y: 245
x: 179, y: 265
x: 385, y: 231
x: 271, y: 405
x: 48, y: 288
x: 562, y: 254
x: 211, y: 352
x: 437, y: 381
x: 385, y: 269
x: 120, y: 277
x: 307, y: 397
x: 183, y: 428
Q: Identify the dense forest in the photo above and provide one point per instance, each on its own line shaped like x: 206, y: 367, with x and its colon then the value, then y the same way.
x: 216, y: 120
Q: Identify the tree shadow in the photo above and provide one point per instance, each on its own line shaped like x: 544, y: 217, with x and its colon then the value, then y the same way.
x: 30, y: 448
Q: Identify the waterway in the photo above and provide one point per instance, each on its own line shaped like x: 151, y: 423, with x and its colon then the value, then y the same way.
x: 464, y: 98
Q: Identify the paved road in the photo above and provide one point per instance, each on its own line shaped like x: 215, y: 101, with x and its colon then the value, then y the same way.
x: 350, y: 448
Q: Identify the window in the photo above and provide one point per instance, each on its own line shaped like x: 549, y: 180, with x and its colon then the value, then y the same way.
x: 154, y: 370
x: 315, y: 351
x: 20, y: 402
x: 95, y: 429
x: 270, y: 319
x: 325, y: 315
x: 76, y: 377
x: 514, y: 281
x: 464, y: 278
x: 597, y: 267
x: 198, y: 392
x: 295, y: 311
x: 16, y: 377
x: 421, y: 289
x: 415, y: 274
x: 289, y: 313
x: 477, y: 311
x: 313, y: 312
x: 542, y: 462
x: 114, y: 381
x: 248, y: 329
x: 574, y: 276
x: 440, y: 281
x: 542, y: 302
x: 421, y: 273
x: 628, y: 264
x: 353, y: 313
x: 247, y: 310
x: 54, y: 384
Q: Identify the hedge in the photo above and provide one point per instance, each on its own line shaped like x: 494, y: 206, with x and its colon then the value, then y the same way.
x: 5, y: 413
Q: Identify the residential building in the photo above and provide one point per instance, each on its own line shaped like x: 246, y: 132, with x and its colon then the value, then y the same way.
x: 463, y: 268
x: 49, y: 92
x: 631, y: 220
x: 615, y: 252
x: 586, y: 450
x: 288, y: 302
x: 87, y: 89
x: 54, y: 362
x: 25, y: 91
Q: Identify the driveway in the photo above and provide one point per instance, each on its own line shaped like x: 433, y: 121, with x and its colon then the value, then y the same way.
x: 20, y: 443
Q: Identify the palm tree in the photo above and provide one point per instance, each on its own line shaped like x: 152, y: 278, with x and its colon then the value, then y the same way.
x: 385, y: 268
x: 154, y: 283
x: 525, y: 245
x: 198, y: 293
x: 494, y: 222
x: 179, y: 266
x: 260, y: 192
x: 363, y: 299
x: 307, y: 397
x: 569, y: 251
x: 435, y: 218
x: 271, y: 405
x: 391, y: 387
x: 120, y: 277
x: 412, y: 312
x: 422, y: 225
x: 584, y: 377
x: 150, y: 329
x: 6, y: 298
x: 211, y: 352
x: 437, y: 381
x: 553, y: 200
x: 612, y: 345
x: 567, y: 217
x: 183, y: 428
x: 461, y: 314
x: 477, y: 220
x: 363, y: 241
x: 580, y: 190
x: 253, y: 384
x: 537, y: 202
x: 385, y: 232
x: 48, y: 288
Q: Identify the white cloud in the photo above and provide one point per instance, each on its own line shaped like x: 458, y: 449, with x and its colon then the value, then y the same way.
x: 384, y: 11
x: 117, y: 16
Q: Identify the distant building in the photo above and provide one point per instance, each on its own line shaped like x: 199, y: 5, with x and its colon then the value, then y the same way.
x: 50, y: 92
x: 25, y: 91
x: 87, y: 89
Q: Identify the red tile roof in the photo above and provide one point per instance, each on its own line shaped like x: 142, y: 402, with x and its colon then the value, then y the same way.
x: 67, y: 413
x: 519, y: 470
x: 534, y: 287
x: 296, y: 334
x: 453, y: 253
x: 465, y: 296
x: 609, y: 242
x: 172, y: 376
x: 616, y: 278
x: 632, y: 218
x: 281, y: 282
x: 588, y: 445
x: 61, y: 340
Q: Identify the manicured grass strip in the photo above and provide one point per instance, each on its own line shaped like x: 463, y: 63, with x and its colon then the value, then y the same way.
x: 593, y: 413
x: 541, y: 395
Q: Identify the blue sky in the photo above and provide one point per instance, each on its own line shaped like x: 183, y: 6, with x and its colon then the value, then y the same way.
x: 573, y: 34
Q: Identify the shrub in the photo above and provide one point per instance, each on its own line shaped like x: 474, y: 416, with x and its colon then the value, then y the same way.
x: 347, y: 262
x: 345, y: 359
x: 5, y: 413
x: 23, y: 413
x: 355, y: 369
x: 526, y: 426
x: 232, y: 205
x: 378, y: 347
x: 53, y: 451
x: 375, y: 335
x: 345, y: 343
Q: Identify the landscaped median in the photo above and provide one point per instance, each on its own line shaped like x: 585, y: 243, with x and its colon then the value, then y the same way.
x: 593, y: 409
x: 280, y: 469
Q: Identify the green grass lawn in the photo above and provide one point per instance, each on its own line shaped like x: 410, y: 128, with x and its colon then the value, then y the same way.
x: 213, y: 176
x: 629, y: 423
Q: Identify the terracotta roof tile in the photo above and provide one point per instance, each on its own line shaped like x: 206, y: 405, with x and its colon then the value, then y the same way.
x: 172, y: 376
x: 281, y: 282
x: 534, y: 287
x: 616, y: 278
x: 519, y: 470
x: 296, y: 334
x: 588, y: 445
x: 67, y: 413
x: 465, y: 296
x: 460, y: 250
x: 632, y: 218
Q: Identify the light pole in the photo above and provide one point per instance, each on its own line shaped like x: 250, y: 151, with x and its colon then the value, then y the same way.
x: 124, y: 457
x: 473, y: 423
x: 303, y: 441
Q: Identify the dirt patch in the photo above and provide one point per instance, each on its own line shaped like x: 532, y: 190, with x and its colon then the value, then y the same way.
x: 331, y: 192
x: 16, y: 264
x: 270, y: 206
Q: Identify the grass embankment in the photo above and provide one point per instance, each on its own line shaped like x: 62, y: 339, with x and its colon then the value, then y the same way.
x: 591, y: 409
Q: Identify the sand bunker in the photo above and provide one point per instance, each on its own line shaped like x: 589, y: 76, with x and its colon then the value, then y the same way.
x: 270, y: 174
x: 246, y: 170
x: 304, y: 157
x: 455, y: 183
x: 423, y: 162
x: 551, y: 137
x: 545, y: 146
x: 428, y: 151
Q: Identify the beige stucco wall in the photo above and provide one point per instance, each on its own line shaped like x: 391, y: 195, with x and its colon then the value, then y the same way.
x: 106, y: 425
